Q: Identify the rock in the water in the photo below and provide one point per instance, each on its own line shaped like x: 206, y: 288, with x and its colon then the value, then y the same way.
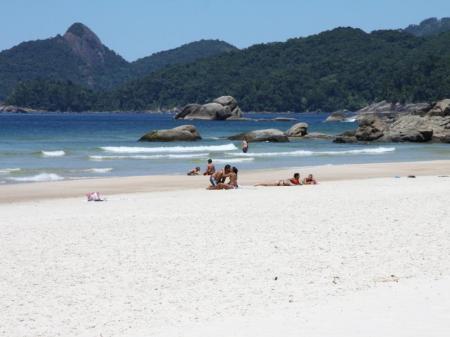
x: 409, y: 129
x: 180, y: 133
x: 346, y: 137
x: 298, y: 130
x: 337, y: 116
x: 15, y: 109
x: 441, y: 108
x: 284, y: 119
x: 267, y: 135
x: 318, y: 135
x: 370, y: 128
x: 221, y: 108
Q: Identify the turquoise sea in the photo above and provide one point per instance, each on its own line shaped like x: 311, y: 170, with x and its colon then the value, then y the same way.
x: 42, y: 147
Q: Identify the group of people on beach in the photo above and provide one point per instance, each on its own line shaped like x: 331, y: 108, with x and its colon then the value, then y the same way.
x: 227, y: 178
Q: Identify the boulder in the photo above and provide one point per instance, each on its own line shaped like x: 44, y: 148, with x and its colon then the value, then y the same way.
x: 346, y: 137
x: 337, y: 116
x: 370, y: 128
x: 318, y: 135
x: 180, y: 133
x: 297, y: 130
x: 409, y: 128
x: 388, y: 108
x: 267, y: 135
x: 221, y: 108
x: 441, y: 108
x: 15, y: 109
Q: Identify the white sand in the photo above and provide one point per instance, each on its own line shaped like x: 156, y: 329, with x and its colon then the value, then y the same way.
x: 203, y: 263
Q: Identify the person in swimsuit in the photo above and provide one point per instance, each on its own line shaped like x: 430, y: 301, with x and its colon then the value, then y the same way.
x: 309, y: 180
x: 294, y: 181
x: 245, y: 145
x: 210, y: 168
x: 231, y: 184
x: 194, y: 172
x: 219, y: 176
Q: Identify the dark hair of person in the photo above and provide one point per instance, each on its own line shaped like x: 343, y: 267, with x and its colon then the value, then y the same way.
x: 209, y: 161
x: 296, y: 175
x: 227, y: 167
x: 198, y: 168
x: 235, y: 170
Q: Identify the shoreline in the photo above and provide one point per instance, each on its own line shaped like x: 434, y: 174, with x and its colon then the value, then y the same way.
x: 11, y: 193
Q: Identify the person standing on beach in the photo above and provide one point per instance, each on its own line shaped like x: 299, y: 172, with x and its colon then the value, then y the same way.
x: 210, y: 168
x: 245, y: 145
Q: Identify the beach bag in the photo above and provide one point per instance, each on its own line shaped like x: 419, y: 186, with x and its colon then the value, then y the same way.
x: 94, y: 196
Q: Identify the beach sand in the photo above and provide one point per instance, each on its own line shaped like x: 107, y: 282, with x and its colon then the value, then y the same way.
x: 110, y: 186
x: 362, y: 257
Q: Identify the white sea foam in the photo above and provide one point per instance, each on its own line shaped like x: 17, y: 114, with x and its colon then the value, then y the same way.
x: 233, y: 160
x: 155, y: 156
x: 170, y: 149
x: 39, y: 177
x: 58, y: 153
x: 9, y: 170
x: 99, y: 170
x: 306, y: 153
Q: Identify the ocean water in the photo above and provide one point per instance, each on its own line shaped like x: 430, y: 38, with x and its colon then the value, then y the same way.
x: 44, y: 147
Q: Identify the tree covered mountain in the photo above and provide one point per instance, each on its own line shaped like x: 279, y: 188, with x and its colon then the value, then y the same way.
x: 80, y: 57
x: 431, y: 26
x: 341, y: 68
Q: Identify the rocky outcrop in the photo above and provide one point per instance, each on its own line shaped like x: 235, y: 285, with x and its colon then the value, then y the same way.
x: 441, y: 108
x: 298, y: 130
x: 180, y: 133
x: 387, y: 108
x: 318, y: 135
x: 267, y: 135
x: 387, y: 122
x: 222, y: 108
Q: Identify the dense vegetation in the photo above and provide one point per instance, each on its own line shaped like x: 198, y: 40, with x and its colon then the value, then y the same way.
x: 342, y: 68
x: 53, y: 95
x: 428, y: 27
x: 79, y: 56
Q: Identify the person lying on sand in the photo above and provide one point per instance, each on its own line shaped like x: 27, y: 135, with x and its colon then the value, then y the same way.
x: 309, y: 180
x: 210, y: 168
x: 294, y: 181
x: 194, y: 172
x: 219, y: 176
x: 231, y: 184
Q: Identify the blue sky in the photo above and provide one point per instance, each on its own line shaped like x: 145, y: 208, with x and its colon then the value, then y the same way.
x: 137, y: 28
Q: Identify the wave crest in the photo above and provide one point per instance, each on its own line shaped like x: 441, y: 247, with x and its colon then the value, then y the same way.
x: 155, y: 156
x: 306, y: 153
x: 169, y: 149
x: 58, y: 153
x: 39, y: 177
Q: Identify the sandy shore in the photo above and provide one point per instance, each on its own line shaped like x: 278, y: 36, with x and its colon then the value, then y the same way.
x: 277, y: 261
x: 111, y: 186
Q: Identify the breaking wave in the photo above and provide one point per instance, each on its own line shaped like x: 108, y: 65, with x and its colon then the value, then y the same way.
x: 9, y: 170
x: 169, y: 149
x: 99, y: 170
x: 233, y: 160
x: 156, y: 156
x: 38, y: 177
x: 58, y: 153
x: 306, y: 153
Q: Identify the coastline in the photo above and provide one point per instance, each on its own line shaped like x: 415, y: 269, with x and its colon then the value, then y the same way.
x: 11, y: 193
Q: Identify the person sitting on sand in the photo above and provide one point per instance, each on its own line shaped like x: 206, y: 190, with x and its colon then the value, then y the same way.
x: 294, y: 181
x: 309, y: 180
x: 231, y: 184
x: 219, y: 176
x: 210, y: 169
x: 194, y: 172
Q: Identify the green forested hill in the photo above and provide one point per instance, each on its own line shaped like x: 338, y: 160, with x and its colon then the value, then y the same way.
x: 80, y: 57
x: 341, y: 68
x: 428, y: 27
